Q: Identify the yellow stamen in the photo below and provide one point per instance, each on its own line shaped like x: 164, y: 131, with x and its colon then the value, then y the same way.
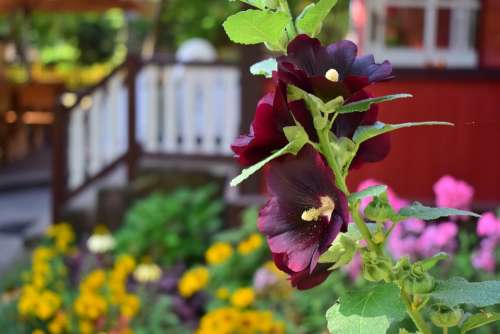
x: 326, y: 210
x: 332, y: 75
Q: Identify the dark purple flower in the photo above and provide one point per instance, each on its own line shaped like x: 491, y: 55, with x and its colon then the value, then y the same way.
x: 307, y: 66
x: 304, y: 214
x: 266, y: 132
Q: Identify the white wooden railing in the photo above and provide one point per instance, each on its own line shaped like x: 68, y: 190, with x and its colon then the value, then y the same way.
x: 180, y: 109
x: 188, y: 109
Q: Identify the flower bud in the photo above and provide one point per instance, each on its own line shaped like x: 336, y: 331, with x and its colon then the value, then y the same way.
x: 376, y: 268
x: 402, y: 269
x: 418, y: 284
x: 340, y: 252
x: 444, y: 316
x: 379, y: 210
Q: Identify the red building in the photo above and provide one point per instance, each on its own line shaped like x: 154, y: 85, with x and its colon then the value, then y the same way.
x: 447, y: 54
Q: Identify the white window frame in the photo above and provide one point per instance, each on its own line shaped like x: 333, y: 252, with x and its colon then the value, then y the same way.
x: 458, y: 55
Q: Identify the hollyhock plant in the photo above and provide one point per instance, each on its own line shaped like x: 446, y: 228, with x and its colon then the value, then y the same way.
x: 317, y: 125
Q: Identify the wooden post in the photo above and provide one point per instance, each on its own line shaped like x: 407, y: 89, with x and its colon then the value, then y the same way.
x: 134, y: 149
x: 59, y: 161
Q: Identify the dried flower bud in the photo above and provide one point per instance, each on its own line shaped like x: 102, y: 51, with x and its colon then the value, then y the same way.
x: 444, y: 316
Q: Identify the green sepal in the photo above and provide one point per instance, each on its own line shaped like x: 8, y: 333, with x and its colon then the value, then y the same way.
x: 297, y: 138
x: 310, y: 21
x: 340, y: 252
x: 372, y: 191
x: 379, y: 210
x: 364, y: 133
x: 429, y: 263
x: 364, y: 105
x: 444, y: 317
x: 333, y: 105
x: 420, y: 211
x: 265, y: 67
x: 255, y: 26
x: 479, y: 320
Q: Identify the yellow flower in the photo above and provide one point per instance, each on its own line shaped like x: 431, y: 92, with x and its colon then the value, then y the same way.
x: 38, y: 331
x: 63, y: 236
x: 222, y: 293
x: 86, y: 327
x: 59, y: 324
x: 125, y: 263
x: 218, y: 253
x: 243, y: 297
x: 193, y: 281
x: 251, y: 244
x: 94, y: 281
x: 47, y: 304
x: 130, y: 306
x: 89, y: 305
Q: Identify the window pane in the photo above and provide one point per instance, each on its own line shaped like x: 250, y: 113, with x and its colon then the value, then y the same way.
x: 405, y: 27
x: 443, y: 28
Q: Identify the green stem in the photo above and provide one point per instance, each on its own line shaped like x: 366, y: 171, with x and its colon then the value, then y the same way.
x: 363, y: 229
x: 445, y: 330
x: 326, y: 149
x: 285, y: 8
x: 415, y: 315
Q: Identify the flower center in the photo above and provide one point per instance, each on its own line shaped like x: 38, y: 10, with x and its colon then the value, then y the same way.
x: 325, y: 210
x: 332, y: 75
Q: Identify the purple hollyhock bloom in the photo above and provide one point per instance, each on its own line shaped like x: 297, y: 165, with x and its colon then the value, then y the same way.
x: 266, y: 132
x: 332, y: 71
x: 304, y: 214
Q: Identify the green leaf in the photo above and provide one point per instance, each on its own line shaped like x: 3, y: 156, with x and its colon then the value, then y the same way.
x: 368, y: 311
x: 364, y: 133
x: 354, y: 233
x: 373, y: 191
x: 429, y: 263
x: 311, y: 19
x: 458, y: 290
x: 479, y: 320
x: 297, y: 138
x: 364, y: 105
x: 420, y: 211
x: 261, y: 4
x: 256, y: 26
x: 265, y: 67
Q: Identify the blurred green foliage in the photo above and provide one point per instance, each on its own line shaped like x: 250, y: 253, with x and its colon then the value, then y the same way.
x: 172, y: 227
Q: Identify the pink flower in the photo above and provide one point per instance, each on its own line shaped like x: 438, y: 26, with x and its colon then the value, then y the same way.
x: 453, y: 193
x: 484, y: 258
x: 488, y: 225
x: 436, y: 238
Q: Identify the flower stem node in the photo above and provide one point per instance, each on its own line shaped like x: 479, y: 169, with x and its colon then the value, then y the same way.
x: 340, y: 252
x: 332, y: 75
x: 444, y: 316
x: 376, y: 268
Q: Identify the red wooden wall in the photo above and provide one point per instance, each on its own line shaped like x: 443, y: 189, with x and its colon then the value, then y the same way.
x: 420, y: 156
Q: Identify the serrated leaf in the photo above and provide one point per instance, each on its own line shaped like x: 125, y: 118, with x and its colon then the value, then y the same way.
x: 420, y: 211
x: 256, y: 26
x: 429, y: 263
x: 479, y: 320
x: 364, y: 105
x: 364, y: 133
x: 368, y: 192
x: 368, y: 311
x: 311, y: 19
x: 265, y: 67
x: 458, y: 290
